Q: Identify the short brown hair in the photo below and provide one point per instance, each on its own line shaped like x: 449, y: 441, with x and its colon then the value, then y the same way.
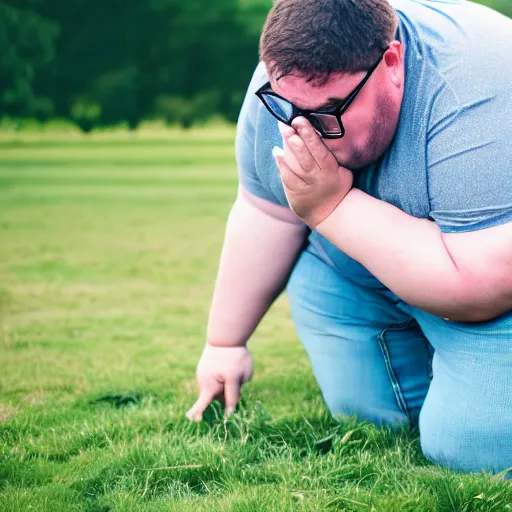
x: 315, y: 38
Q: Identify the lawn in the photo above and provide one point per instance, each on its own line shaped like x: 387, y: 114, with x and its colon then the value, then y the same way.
x: 108, y: 254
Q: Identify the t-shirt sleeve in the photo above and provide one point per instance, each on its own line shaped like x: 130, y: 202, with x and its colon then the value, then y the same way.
x: 246, y: 137
x: 469, y: 160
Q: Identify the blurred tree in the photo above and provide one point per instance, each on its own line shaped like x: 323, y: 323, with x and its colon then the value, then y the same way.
x: 95, y: 72
x: 26, y: 45
x: 85, y: 114
x: 131, y: 57
x: 104, y: 62
x: 193, y: 51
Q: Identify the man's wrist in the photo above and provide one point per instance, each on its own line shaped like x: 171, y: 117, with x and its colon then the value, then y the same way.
x: 224, y: 344
x: 339, y: 210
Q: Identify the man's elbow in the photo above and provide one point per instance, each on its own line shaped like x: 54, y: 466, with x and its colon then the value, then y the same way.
x: 481, y: 304
x: 475, y: 314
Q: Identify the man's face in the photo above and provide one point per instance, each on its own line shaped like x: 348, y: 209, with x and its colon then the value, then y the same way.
x: 370, y: 121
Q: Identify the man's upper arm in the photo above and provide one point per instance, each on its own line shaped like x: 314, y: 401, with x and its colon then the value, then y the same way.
x: 484, y: 261
x: 272, y: 209
x: 470, y: 190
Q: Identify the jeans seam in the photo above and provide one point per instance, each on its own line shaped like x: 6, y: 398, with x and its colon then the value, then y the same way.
x: 430, y: 369
x: 395, y: 385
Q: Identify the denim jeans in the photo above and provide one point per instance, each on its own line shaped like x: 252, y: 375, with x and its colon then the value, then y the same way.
x: 387, y: 362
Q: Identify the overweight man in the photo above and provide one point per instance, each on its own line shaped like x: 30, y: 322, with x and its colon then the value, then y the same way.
x: 374, y: 149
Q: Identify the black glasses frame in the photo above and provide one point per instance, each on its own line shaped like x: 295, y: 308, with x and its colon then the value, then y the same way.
x: 335, y: 111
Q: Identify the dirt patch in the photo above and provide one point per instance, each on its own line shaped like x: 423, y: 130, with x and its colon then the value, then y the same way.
x: 6, y: 411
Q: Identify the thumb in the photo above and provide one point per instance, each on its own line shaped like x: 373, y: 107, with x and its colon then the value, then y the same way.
x: 206, y: 397
x: 231, y: 396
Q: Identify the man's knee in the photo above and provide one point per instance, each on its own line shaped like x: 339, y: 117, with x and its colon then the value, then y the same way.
x: 465, y: 444
x: 345, y: 406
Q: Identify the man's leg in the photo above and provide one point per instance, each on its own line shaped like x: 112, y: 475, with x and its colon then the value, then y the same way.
x: 369, y: 358
x: 466, y: 421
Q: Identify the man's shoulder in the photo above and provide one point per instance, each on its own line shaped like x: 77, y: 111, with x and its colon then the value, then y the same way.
x: 249, y: 112
x: 452, y: 22
x: 257, y: 134
x: 254, y: 122
x: 457, y: 51
x: 259, y: 78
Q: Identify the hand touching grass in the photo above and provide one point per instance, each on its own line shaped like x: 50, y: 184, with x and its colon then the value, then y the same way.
x: 221, y: 372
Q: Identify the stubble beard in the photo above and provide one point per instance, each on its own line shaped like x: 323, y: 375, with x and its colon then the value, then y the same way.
x: 381, y: 135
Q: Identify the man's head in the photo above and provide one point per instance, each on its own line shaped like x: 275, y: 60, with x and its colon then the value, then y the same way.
x: 318, y: 51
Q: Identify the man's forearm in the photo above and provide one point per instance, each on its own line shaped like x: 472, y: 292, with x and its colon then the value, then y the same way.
x: 258, y: 255
x: 409, y: 256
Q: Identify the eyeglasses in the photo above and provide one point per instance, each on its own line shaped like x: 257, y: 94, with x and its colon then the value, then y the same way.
x: 327, y: 122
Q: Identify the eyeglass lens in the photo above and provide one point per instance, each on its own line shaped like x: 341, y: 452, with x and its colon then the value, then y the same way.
x: 281, y: 108
x: 327, y: 123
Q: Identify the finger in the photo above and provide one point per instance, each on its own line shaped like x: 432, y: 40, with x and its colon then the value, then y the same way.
x: 231, y: 396
x: 290, y: 139
x: 291, y: 180
x: 285, y: 130
x: 319, y: 151
x: 299, y: 151
x: 291, y: 159
x: 247, y: 375
x: 206, y: 397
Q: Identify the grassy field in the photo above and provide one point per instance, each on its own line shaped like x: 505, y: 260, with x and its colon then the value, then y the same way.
x: 108, y: 255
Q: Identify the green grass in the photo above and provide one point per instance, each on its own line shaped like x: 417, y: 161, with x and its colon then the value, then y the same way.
x: 108, y: 255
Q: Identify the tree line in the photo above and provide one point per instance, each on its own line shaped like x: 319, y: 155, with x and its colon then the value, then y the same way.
x: 102, y: 62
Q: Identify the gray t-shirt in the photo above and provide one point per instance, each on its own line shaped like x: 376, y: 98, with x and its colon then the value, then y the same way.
x: 451, y: 158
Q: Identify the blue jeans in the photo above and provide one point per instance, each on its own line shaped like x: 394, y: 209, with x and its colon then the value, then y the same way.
x: 387, y: 362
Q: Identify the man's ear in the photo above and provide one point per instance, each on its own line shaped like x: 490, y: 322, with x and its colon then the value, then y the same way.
x: 394, y: 59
